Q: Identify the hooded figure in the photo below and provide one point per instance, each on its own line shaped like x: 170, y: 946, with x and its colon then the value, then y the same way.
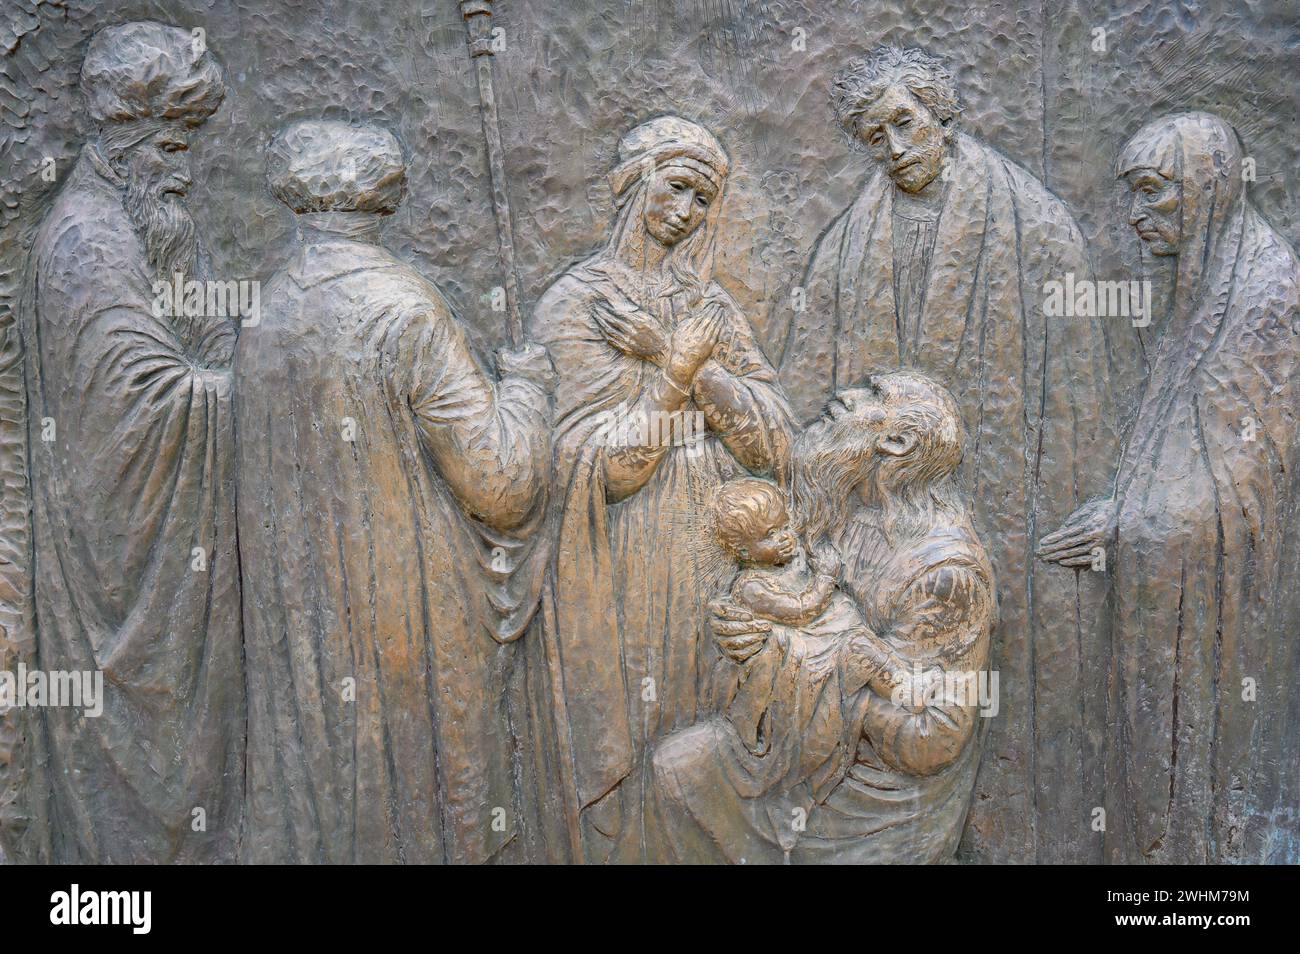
x: 648, y: 424
x: 389, y: 490
x: 1207, y: 659
x: 132, y: 496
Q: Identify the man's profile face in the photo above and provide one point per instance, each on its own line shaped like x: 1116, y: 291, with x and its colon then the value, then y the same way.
x: 159, y: 166
x: 1156, y: 211
x: 157, y: 174
x: 904, y: 136
x: 865, y: 406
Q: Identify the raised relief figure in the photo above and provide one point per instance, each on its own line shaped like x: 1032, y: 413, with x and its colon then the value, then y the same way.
x: 663, y: 395
x: 131, y: 450
x: 850, y: 736
x: 389, y: 494
x: 940, y: 265
x: 1201, y: 526
x: 776, y: 580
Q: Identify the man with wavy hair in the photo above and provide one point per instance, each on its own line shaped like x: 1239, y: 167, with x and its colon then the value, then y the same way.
x: 940, y: 265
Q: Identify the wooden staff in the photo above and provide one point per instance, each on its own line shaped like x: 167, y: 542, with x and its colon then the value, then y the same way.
x: 478, y: 28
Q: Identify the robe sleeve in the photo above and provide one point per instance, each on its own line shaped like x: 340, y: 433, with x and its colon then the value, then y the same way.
x: 742, y: 402
x: 490, y: 442
x: 941, y: 626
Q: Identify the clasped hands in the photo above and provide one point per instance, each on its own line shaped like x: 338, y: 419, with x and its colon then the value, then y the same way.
x: 679, y: 353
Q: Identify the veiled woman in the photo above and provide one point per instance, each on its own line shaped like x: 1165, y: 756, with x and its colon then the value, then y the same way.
x: 663, y: 394
x: 1205, y: 559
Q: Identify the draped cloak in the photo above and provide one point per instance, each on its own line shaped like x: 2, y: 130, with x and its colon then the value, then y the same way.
x: 381, y: 611
x: 136, y: 480
x: 621, y: 654
x: 1206, y: 572
x: 1034, y: 397
x: 628, y: 593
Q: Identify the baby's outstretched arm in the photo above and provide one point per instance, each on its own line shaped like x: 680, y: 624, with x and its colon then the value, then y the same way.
x: 781, y: 606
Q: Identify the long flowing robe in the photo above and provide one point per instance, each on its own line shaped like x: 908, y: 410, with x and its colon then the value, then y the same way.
x: 1206, y: 570
x: 388, y: 496
x: 135, y: 482
x: 1036, y: 406
x: 627, y: 597
x: 807, y: 763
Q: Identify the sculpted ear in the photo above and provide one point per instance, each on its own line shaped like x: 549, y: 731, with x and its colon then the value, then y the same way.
x: 896, y: 445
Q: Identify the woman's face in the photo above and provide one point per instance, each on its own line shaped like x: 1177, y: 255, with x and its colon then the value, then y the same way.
x: 1156, y: 212
x: 676, y: 204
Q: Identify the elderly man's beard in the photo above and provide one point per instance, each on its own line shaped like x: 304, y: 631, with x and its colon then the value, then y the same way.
x: 162, y: 221
x: 831, y: 459
x: 837, y: 471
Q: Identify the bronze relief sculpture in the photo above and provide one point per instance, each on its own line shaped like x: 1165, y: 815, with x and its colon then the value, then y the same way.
x: 903, y: 564
x: 840, y: 741
x: 136, y: 487
x: 392, y: 491
x: 641, y: 332
x: 1202, y: 573
x: 939, y: 265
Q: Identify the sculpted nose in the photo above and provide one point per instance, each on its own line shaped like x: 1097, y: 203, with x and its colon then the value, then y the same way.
x: 896, y: 145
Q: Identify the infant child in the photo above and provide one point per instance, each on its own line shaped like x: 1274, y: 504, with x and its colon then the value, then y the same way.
x: 779, y: 581
x: 776, y: 580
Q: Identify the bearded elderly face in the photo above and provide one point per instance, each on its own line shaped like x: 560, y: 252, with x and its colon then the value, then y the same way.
x: 157, y: 174
x: 835, y: 454
x: 898, y: 429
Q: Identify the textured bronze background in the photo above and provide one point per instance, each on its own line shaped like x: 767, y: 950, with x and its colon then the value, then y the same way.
x: 571, y: 79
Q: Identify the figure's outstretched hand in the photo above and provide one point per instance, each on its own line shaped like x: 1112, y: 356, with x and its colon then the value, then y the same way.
x: 633, y: 331
x: 740, y: 634
x: 531, y: 362
x: 1088, y: 528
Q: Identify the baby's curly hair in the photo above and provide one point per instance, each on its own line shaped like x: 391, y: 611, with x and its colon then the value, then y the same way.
x: 744, y: 509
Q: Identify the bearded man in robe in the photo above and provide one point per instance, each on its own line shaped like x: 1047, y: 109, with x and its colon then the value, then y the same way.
x: 132, y: 493
x: 390, y: 490
x: 854, y: 739
x: 940, y: 265
x: 1201, y: 525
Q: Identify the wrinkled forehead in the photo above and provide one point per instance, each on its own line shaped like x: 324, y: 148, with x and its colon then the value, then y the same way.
x: 897, y: 390
x: 894, y: 101
x: 874, y: 389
